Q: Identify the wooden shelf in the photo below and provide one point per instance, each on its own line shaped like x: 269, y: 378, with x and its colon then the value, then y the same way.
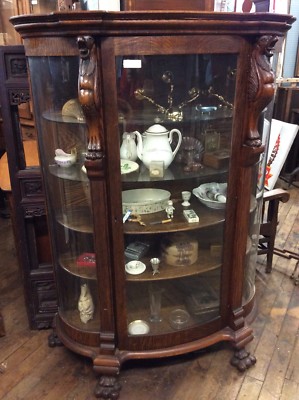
x: 166, y: 326
x: 73, y: 318
x: 203, y: 264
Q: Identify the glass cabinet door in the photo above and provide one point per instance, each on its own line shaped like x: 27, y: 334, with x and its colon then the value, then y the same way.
x: 175, y: 131
x: 63, y: 142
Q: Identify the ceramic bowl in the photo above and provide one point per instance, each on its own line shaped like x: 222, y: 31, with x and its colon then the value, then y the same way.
x: 205, y: 192
x: 64, y: 162
x: 144, y: 201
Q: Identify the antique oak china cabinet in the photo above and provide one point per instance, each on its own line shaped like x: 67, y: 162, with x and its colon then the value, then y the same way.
x: 152, y: 150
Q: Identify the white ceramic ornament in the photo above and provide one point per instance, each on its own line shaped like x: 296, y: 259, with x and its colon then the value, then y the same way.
x: 85, y: 304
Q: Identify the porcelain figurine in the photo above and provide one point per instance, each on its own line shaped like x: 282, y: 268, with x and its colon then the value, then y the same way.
x: 169, y: 209
x: 64, y: 159
x: 85, y: 304
x: 154, y: 145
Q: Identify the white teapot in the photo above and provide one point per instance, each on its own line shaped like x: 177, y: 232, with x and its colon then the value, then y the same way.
x: 154, y: 145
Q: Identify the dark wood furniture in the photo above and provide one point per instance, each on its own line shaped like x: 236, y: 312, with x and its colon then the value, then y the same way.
x: 21, y: 180
x: 2, y: 328
x: 207, y: 75
x: 269, y: 223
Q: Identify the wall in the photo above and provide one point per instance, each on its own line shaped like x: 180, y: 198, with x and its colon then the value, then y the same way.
x: 292, y: 43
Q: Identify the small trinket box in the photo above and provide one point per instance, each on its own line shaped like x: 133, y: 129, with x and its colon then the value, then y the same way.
x: 86, y: 260
x: 191, y: 216
x: 156, y: 169
x: 135, y: 250
x: 217, y: 159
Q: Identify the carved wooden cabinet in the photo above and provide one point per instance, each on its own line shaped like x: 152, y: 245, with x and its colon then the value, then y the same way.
x: 133, y: 109
x: 25, y: 191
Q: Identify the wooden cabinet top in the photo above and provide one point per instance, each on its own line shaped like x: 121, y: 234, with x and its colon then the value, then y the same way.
x: 138, y: 23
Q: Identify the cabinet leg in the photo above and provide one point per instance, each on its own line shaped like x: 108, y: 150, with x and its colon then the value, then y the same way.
x: 242, y: 360
x: 293, y: 276
x: 53, y: 340
x: 108, y: 388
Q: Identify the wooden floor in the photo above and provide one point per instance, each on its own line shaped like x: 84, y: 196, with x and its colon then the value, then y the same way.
x: 29, y: 369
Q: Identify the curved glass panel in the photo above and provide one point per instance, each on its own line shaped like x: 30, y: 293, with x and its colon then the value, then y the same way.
x: 62, y: 141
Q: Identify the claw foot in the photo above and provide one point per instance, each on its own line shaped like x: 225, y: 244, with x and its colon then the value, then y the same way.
x: 242, y: 360
x: 108, y: 388
x: 53, y: 340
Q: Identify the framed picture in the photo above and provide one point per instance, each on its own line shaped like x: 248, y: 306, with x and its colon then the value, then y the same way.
x: 211, y: 141
x: 282, y: 135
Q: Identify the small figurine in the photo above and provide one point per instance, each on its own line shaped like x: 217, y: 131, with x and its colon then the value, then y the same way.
x: 169, y: 209
x: 85, y: 304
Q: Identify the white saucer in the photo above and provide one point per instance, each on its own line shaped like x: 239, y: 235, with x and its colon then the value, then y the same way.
x: 135, y: 267
x: 126, y: 167
x: 138, y: 327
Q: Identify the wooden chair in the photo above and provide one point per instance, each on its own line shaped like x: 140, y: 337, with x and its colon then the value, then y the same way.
x: 269, y: 223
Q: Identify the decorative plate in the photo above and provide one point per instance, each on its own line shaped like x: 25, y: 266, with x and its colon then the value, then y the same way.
x: 138, y: 327
x: 126, y: 167
x: 135, y: 267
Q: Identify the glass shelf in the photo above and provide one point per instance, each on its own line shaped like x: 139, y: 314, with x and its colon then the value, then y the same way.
x: 57, y: 116
x: 70, y: 265
x: 78, y: 219
x: 73, y: 173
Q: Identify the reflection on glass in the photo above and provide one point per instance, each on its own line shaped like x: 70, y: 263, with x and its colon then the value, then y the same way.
x: 258, y: 179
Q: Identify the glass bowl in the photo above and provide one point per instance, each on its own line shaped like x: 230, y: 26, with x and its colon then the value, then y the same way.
x: 179, y: 318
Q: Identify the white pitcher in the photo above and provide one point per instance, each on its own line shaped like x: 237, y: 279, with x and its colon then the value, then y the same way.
x: 128, y: 148
x: 154, y: 145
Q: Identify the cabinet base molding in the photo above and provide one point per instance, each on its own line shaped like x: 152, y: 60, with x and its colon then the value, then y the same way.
x: 108, y: 366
